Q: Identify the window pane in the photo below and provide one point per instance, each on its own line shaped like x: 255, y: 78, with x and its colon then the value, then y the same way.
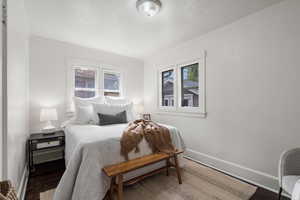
x: 84, y: 93
x: 85, y: 78
x: 111, y: 81
x: 168, y: 88
x: 190, y: 86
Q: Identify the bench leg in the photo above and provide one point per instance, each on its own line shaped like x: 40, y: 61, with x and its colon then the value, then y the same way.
x: 111, y: 190
x: 120, y: 186
x: 167, y: 166
x: 177, y: 169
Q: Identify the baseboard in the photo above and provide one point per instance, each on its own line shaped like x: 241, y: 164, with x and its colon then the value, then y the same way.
x: 252, y: 176
x: 23, y: 184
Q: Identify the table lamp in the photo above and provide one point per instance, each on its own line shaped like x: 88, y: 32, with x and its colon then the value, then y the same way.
x: 48, y: 115
x: 139, y: 108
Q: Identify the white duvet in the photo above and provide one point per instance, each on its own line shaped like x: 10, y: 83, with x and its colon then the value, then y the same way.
x: 88, y: 149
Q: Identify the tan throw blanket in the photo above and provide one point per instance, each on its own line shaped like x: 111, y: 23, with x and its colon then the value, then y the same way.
x: 158, y: 137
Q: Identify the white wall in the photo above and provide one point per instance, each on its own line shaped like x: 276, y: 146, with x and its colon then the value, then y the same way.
x: 48, y: 74
x: 253, y: 94
x: 17, y: 84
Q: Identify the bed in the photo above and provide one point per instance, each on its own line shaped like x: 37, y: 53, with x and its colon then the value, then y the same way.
x: 91, y: 147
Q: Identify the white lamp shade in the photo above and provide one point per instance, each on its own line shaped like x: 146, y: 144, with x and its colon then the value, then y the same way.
x: 48, y: 114
x: 139, y: 108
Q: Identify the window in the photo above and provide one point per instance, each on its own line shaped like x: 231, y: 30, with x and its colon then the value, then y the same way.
x: 167, y: 85
x: 182, y: 88
x: 88, y: 80
x: 191, y: 88
x: 167, y: 89
x: 111, y: 84
x: 189, y: 85
x: 85, y: 82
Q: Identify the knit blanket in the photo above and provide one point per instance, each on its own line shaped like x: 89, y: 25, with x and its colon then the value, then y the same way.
x: 157, y: 136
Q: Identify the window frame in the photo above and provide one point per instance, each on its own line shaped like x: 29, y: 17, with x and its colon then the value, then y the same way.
x: 177, y: 109
x: 113, y: 71
x: 200, y: 92
x: 70, y: 78
x: 161, y: 107
x: 85, y: 67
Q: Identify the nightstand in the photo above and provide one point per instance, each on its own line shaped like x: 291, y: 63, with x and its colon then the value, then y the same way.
x: 45, y: 147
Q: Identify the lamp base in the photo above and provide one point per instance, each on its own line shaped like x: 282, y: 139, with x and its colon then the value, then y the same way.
x: 48, y: 128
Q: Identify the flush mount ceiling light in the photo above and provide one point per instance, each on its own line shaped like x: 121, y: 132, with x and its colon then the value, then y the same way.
x: 148, y: 7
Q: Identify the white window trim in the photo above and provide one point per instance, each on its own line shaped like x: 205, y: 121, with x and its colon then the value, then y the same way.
x: 112, y: 71
x: 177, y: 109
x: 73, y: 62
x: 161, y: 107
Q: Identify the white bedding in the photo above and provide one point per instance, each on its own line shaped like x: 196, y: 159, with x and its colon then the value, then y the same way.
x: 88, y: 149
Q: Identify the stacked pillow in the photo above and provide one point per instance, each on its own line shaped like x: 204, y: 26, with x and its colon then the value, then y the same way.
x: 84, y: 113
x: 110, y: 109
x: 103, y: 112
x: 116, y: 101
x: 118, y: 118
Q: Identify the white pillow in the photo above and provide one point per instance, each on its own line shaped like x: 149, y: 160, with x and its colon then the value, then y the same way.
x: 87, y: 102
x: 110, y: 109
x: 84, y: 112
x: 116, y: 101
x: 84, y: 115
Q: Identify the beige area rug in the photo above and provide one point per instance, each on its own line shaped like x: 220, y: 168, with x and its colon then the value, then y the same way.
x: 199, y: 183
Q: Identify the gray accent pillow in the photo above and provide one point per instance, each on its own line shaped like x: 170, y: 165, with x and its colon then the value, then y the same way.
x: 118, y: 118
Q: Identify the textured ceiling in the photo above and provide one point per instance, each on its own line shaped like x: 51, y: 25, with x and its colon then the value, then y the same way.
x: 116, y: 26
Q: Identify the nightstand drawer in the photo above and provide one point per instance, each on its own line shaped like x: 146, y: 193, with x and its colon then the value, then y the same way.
x: 47, y: 144
x: 46, y: 155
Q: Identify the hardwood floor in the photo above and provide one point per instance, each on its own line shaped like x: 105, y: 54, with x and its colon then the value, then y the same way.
x: 263, y: 194
x: 47, y: 176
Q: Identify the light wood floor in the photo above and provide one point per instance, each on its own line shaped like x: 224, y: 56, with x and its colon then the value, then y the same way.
x: 199, y: 183
x: 161, y: 186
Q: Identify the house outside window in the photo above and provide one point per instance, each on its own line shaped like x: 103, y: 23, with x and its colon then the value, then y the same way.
x: 112, y: 83
x: 85, y: 82
x: 168, y: 88
x: 190, y: 86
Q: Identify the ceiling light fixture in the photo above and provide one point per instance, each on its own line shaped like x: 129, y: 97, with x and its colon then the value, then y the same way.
x: 148, y: 7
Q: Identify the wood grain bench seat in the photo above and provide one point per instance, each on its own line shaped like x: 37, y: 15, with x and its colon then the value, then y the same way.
x: 116, y: 171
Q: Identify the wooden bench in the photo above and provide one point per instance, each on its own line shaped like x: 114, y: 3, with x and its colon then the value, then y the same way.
x: 116, y: 171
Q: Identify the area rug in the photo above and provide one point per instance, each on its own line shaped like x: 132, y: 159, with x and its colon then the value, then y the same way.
x: 199, y: 183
